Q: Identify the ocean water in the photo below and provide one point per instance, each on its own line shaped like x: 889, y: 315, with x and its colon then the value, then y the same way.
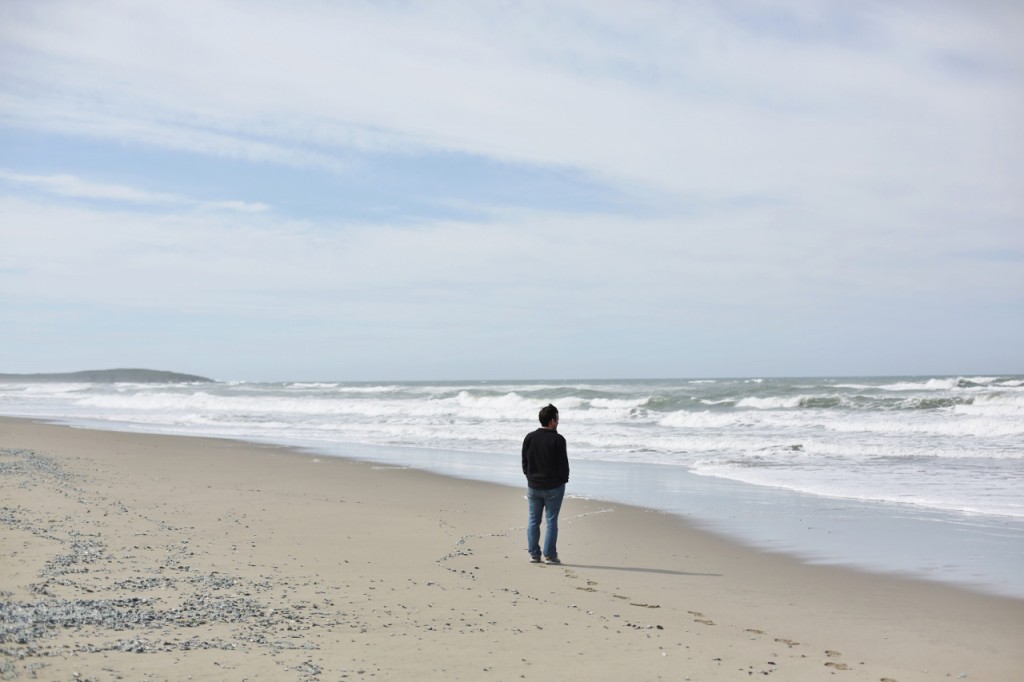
x: 919, y: 475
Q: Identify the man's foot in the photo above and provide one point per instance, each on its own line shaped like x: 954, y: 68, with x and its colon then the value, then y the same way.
x: 535, y: 559
x: 552, y: 560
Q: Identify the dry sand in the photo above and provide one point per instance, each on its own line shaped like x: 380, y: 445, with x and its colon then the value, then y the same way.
x: 143, y: 557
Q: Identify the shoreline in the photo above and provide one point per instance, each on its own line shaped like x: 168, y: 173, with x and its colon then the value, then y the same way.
x: 252, y: 561
x: 915, y: 542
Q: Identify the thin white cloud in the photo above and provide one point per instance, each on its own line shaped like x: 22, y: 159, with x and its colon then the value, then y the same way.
x: 72, y: 186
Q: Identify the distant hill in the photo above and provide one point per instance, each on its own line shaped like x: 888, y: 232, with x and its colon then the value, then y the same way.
x: 108, y: 376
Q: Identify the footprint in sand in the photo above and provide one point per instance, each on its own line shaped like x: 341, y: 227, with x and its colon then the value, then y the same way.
x: 587, y: 589
x: 837, y: 666
x: 832, y: 654
x: 620, y: 596
x: 754, y: 631
x: 705, y: 621
x: 787, y: 642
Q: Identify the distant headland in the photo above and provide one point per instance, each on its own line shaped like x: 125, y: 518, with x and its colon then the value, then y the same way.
x: 109, y: 376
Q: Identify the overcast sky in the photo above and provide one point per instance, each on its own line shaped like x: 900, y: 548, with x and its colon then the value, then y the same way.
x: 286, y: 190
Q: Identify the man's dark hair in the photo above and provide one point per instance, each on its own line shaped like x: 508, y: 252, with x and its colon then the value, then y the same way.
x: 548, y: 413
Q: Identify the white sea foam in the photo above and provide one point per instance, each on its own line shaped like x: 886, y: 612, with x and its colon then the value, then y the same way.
x: 775, y: 403
x: 930, y: 385
x: 48, y: 389
x: 705, y: 419
x: 978, y: 426
x: 496, y: 407
x: 944, y: 384
x: 620, y: 404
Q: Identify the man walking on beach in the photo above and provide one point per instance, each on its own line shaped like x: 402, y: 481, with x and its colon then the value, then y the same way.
x: 546, y: 466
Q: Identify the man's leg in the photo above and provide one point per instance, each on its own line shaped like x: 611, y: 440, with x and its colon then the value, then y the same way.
x: 553, y: 505
x: 536, y: 506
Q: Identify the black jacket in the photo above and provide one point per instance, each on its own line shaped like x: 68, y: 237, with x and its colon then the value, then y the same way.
x: 545, y: 461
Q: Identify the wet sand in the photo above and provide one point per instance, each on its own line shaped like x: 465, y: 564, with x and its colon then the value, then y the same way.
x: 144, y: 557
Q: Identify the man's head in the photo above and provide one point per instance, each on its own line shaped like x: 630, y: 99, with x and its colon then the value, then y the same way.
x: 548, y: 416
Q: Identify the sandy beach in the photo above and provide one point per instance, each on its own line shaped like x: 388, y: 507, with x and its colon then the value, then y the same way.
x: 143, y: 557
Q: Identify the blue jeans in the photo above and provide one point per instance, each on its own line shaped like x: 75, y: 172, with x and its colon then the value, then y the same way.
x: 548, y: 503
